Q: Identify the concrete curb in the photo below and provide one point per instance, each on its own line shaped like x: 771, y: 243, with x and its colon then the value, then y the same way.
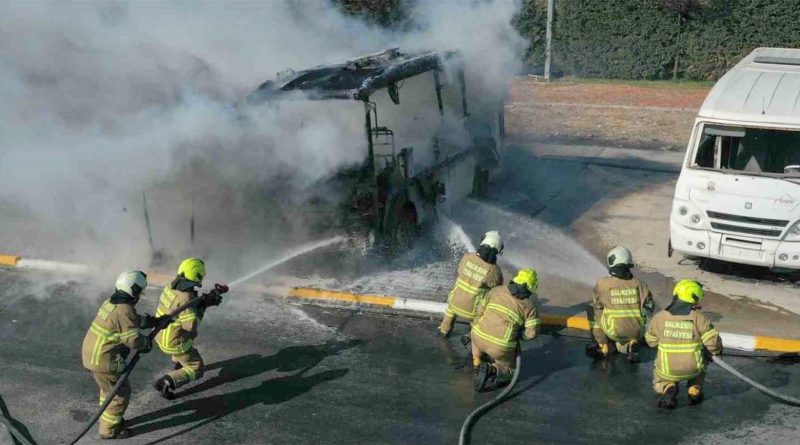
x: 16, y: 261
x: 328, y: 297
x: 739, y: 342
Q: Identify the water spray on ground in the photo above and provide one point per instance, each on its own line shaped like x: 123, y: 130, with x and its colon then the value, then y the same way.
x: 457, y: 232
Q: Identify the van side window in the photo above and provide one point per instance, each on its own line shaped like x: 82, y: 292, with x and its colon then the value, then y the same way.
x: 705, y: 152
x: 731, y: 150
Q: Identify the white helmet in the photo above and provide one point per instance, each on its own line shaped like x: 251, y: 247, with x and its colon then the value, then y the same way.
x: 132, y: 283
x: 493, y: 239
x: 619, y: 255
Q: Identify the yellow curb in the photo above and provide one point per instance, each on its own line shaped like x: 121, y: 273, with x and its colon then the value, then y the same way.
x: 9, y: 260
x: 777, y: 344
x: 574, y: 322
x: 320, y: 294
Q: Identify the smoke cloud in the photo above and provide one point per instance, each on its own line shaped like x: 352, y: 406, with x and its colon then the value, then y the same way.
x: 102, y: 102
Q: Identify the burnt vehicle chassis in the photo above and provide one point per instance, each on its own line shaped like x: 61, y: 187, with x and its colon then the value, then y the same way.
x: 385, y: 195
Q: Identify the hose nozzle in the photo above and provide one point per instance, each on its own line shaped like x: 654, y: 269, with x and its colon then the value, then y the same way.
x: 221, y: 288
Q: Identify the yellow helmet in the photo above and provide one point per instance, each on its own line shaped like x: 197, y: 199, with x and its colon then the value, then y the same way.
x: 689, y: 291
x: 193, y: 269
x: 528, y: 278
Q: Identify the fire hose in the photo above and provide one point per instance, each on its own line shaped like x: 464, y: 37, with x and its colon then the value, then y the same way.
x: 15, y: 433
x: 218, y: 288
x: 783, y: 398
x: 463, y: 437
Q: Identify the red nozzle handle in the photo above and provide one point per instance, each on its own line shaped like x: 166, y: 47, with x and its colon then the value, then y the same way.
x: 222, y: 288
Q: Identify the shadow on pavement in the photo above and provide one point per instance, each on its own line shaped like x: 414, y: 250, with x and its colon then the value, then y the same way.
x: 745, y: 272
x: 286, y: 360
x: 15, y: 424
x: 209, y: 409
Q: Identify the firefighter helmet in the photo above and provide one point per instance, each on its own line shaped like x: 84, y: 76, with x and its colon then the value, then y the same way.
x: 193, y: 269
x: 528, y: 278
x: 688, y: 291
x: 132, y: 283
x: 494, y: 240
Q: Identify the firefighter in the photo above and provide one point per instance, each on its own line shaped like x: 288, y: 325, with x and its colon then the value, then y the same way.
x: 177, y: 339
x: 684, y: 337
x: 477, y: 273
x: 112, y: 335
x: 617, y: 313
x: 510, y: 315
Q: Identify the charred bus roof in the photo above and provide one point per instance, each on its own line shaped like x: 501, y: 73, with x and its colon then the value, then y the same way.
x: 354, y: 79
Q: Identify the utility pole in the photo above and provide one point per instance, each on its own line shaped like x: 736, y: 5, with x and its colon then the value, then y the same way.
x: 551, y: 6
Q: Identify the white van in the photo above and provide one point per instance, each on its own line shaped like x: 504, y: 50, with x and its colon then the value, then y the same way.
x: 738, y: 195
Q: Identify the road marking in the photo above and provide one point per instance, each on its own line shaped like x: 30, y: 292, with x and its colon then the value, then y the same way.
x: 777, y: 344
x: 729, y: 340
x: 733, y: 341
x: 9, y: 260
x: 321, y: 294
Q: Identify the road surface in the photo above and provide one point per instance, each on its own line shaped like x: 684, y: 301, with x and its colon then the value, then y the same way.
x: 280, y: 374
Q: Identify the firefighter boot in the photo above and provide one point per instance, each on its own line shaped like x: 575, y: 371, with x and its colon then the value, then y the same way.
x: 633, y: 351
x: 485, y: 378
x: 165, y: 387
x: 121, y: 432
x: 695, y: 395
x: 669, y: 400
x: 597, y: 352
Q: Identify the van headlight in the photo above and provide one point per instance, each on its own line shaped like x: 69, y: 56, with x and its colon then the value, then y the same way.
x: 688, y: 215
x: 793, y: 234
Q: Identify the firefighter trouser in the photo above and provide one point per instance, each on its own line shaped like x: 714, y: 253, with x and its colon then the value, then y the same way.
x: 191, y: 367
x: 502, y: 359
x: 601, y: 338
x: 111, y: 419
x: 449, y: 320
x: 660, y: 384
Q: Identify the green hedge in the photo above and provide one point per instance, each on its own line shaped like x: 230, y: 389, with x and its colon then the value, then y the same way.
x: 641, y: 39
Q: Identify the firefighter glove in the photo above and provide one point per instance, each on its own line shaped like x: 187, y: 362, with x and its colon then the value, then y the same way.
x: 147, y: 321
x: 213, y: 298
x: 148, y: 345
x: 162, y: 322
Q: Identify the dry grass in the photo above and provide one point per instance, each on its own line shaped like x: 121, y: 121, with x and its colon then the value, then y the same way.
x: 647, y: 115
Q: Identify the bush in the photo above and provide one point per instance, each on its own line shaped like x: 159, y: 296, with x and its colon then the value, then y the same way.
x: 641, y: 39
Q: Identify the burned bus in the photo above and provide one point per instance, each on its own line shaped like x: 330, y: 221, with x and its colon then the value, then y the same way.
x: 429, y: 136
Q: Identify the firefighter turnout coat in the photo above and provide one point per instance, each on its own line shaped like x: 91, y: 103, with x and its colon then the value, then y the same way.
x: 178, y: 337
x: 504, y: 317
x: 113, y: 333
x: 680, y: 340
x: 619, y: 309
x: 475, y: 278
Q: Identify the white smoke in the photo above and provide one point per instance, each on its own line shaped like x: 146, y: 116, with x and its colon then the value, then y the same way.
x: 100, y: 101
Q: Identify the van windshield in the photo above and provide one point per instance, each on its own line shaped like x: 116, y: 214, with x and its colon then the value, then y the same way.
x: 754, y: 151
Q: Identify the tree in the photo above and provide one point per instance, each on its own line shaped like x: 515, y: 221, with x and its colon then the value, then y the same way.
x: 683, y: 10
x: 385, y: 13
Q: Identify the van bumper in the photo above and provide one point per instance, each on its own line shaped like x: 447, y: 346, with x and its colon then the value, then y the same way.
x: 716, y: 245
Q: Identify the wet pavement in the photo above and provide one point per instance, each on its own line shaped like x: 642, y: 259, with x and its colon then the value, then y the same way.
x: 280, y: 374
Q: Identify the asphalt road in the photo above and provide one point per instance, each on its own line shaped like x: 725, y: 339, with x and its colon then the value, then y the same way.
x: 279, y: 374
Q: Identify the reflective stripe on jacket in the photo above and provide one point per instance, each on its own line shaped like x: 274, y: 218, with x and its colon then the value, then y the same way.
x: 112, y: 334
x: 475, y: 278
x: 680, y: 340
x: 504, y: 316
x: 178, y: 337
